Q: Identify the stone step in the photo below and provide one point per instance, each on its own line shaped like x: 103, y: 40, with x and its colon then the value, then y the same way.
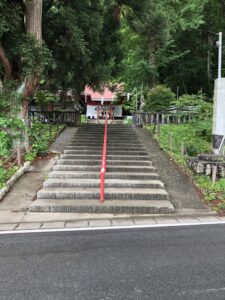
x: 132, y: 184
x: 114, y: 153
x: 100, y: 141
x: 109, y: 157
x: 110, y: 193
x: 92, y: 162
x: 110, y: 127
x: 101, y: 130
x: 122, y: 169
x: 108, y: 207
x: 95, y: 143
x: 96, y: 175
x: 109, y: 183
x: 109, y: 148
x: 101, y: 135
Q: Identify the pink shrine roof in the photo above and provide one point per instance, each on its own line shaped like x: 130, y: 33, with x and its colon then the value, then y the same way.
x: 106, y: 95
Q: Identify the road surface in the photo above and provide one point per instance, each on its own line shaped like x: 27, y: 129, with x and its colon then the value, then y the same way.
x: 156, y: 263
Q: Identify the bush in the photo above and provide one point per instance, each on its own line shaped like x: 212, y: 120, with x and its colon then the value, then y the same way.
x: 186, y: 135
x: 5, y: 144
x: 205, y: 108
x: 6, y: 174
x: 159, y: 98
x: 41, y: 135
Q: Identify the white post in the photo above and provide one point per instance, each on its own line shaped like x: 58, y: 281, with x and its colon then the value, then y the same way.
x: 219, y: 105
x: 220, y: 46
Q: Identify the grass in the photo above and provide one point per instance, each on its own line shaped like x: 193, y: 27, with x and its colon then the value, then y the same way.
x: 214, y: 194
x: 6, y: 174
x: 83, y: 119
x: 184, y: 141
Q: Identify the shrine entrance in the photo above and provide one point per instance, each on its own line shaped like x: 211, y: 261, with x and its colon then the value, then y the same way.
x: 103, y: 111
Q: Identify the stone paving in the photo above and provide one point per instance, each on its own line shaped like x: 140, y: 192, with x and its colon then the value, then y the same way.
x: 119, y: 222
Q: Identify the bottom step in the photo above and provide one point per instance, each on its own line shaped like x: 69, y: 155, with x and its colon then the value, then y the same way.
x: 108, y: 207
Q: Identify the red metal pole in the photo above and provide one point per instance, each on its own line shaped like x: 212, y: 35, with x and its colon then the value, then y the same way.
x: 103, y: 165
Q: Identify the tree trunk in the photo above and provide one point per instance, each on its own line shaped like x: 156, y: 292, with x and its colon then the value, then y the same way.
x: 33, y: 18
x: 33, y: 21
x: 6, y: 63
x: 152, y: 59
x: 209, y: 59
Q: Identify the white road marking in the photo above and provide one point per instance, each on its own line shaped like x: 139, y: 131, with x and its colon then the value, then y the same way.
x: 111, y: 228
x: 199, y: 292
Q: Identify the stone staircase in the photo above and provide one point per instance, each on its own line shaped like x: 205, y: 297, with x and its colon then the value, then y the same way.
x: 132, y: 185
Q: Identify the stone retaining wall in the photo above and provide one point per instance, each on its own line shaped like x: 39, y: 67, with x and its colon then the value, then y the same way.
x: 204, y: 163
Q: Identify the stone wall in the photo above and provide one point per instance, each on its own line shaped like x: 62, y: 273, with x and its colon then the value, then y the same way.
x: 203, y: 164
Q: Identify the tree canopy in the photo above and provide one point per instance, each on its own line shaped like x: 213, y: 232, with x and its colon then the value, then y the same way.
x: 140, y: 43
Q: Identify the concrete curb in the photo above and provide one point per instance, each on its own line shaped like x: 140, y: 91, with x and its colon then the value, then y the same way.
x: 126, y: 223
x: 14, y: 178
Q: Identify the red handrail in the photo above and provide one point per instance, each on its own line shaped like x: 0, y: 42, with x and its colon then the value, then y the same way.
x: 103, y: 165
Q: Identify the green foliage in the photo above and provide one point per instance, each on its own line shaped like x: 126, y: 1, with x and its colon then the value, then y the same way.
x: 9, y: 99
x: 149, y: 31
x: 86, y: 35
x: 159, y: 98
x: 29, y: 156
x: 10, y: 129
x: 212, y: 191
x: 35, y: 57
x: 173, y: 137
x: 204, y: 108
x: 203, y: 129
x: 6, y: 174
x: 41, y: 135
x: 5, y: 144
x: 45, y: 97
x: 83, y: 119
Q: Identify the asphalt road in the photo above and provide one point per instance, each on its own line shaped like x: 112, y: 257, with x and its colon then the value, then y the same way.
x: 158, y: 263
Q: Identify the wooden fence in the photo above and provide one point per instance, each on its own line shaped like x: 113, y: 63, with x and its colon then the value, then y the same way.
x: 72, y: 118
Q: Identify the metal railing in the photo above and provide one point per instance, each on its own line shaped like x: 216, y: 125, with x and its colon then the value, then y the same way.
x: 103, y: 164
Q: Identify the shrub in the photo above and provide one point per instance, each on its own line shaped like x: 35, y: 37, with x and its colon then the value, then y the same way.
x: 159, y: 98
x: 5, y: 144
x: 205, y: 108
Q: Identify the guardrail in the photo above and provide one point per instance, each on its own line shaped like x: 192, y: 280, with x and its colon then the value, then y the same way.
x: 103, y: 164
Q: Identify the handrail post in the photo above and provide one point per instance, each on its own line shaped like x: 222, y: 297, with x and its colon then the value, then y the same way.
x: 103, y: 164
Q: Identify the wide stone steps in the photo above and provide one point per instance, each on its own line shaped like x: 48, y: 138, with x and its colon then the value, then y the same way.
x: 109, y: 157
x: 90, y: 162
x: 136, y: 169
x: 109, y: 183
x: 108, y: 207
x: 99, y: 148
x: 132, y: 184
x: 110, y: 193
x: 114, y: 153
x: 95, y: 175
